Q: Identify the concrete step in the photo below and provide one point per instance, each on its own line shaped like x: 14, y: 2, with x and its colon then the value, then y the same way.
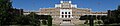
x: 67, y: 24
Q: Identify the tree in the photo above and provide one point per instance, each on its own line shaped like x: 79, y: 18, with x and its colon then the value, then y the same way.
x: 49, y: 20
x: 113, y: 16
x: 5, y: 17
x: 44, y: 22
x: 33, y: 19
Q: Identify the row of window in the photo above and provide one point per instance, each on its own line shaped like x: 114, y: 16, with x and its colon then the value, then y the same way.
x: 66, y: 20
x: 66, y: 13
x: 66, y: 16
x: 69, y: 13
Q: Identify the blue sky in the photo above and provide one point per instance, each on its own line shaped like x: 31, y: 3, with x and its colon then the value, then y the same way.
x: 95, y: 5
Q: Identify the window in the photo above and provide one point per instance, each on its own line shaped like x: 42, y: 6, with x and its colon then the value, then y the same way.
x: 69, y: 16
x: 66, y: 16
x: 62, y: 16
x: 62, y: 12
x: 66, y: 20
x: 68, y: 12
x: 65, y: 12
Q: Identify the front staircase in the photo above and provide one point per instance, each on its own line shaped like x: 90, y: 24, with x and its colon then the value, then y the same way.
x: 67, y: 24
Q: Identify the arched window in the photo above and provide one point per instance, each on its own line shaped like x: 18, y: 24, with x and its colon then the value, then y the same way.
x: 65, y: 12
x: 68, y: 12
x: 69, y: 16
x: 62, y: 12
x: 62, y: 16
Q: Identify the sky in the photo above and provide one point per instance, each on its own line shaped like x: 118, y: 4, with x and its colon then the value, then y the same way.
x: 94, y: 5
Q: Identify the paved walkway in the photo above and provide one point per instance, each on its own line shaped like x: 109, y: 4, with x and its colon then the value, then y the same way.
x: 67, y: 24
